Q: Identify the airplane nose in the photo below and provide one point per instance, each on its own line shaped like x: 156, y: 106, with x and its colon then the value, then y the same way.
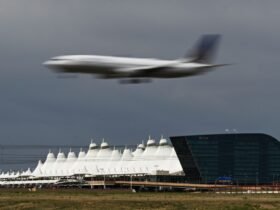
x: 53, y: 65
x: 48, y: 63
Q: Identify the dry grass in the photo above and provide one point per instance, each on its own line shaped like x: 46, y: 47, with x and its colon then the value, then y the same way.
x: 96, y: 199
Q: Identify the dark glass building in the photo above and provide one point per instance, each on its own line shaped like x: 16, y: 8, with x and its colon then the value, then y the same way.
x: 243, y: 158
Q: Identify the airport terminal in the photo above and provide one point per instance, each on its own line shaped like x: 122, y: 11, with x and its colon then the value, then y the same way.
x: 100, y: 162
x: 201, y: 161
x: 237, y: 158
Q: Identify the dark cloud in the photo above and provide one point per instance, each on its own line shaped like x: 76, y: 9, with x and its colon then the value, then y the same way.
x: 36, y: 107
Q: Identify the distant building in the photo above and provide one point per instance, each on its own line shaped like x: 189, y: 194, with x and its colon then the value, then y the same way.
x: 242, y: 158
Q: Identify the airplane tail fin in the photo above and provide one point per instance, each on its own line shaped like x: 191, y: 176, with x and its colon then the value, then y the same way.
x: 205, y: 49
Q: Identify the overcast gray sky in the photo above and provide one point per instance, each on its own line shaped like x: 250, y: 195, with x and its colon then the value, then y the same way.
x: 38, y: 108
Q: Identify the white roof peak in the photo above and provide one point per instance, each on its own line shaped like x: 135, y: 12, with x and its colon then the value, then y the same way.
x: 71, y: 155
x: 50, y: 156
x: 115, y: 155
x: 104, y: 145
x: 151, y: 142
x: 126, y: 155
x: 141, y: 146
x: 60, y: 155
x: 163, y: 142
x: 92, y: 145
x: 81, y: 154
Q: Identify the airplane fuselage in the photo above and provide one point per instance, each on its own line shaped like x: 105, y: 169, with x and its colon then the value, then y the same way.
x: 122, y: 67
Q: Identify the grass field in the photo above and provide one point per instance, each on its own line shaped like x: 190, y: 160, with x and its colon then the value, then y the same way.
x: 108, y: 199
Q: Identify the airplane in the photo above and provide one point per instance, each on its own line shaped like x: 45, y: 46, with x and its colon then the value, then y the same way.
x: 139, y: 70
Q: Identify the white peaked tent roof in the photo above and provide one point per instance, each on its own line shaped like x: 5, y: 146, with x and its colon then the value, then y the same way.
x: 71, y: 156
x: 164, y: 149
x: 2, y: 175
x: 126, y: 155
x: 60, y: 157
x: 92, y: 151
x: 116, y: 155
x: 26, y: 173
x: 174, y: 163
x: 10, y: 174
x: 112, y: 162
x: 90, y: 158
x: 163, y: 141
x: 105, y: 152
x: 102, y: 158
x: 162, y: 155
x: 7, y: 174
x: 48, y: 165
x: 67, y: 166
x: 142, y: 160
x: 37, y: 171
x: 138, y: 152
x: 135, y: 163
x: 57, y: 168
x: 150, y: 150
x: 124, y: 165
x: 14, y: 175
x: 79, y: 166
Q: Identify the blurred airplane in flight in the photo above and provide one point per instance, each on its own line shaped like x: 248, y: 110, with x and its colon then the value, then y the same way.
x: 138, y: 70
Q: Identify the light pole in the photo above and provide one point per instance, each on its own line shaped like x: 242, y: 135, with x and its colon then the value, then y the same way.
x: 257, y: 180
x: 104, y: 185
x: 276, y: 181
x: 104, y: 182
x: 131, y: 181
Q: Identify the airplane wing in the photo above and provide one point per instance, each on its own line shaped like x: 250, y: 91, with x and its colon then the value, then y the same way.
x: 147, y: 70
x: 150, y: 70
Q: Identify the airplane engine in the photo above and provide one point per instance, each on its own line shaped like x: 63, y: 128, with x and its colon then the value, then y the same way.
x: 134, y: 81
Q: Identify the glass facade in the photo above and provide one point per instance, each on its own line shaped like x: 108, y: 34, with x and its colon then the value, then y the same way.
x: 244, y: 158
